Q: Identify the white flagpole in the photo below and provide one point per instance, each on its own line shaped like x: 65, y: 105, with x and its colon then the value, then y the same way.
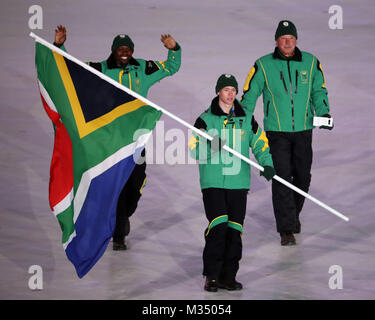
x: 200, y: 132
x: 289, y: 185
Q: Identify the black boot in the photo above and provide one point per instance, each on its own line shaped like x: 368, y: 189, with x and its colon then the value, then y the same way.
x: 119, y: 245
x: 229, y: 284
x: 287, y: 239
x: 210, y: 285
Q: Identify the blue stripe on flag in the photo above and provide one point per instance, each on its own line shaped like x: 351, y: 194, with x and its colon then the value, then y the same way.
x: 96, y: 222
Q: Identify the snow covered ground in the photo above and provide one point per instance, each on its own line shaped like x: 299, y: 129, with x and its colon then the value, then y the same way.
x: 166, y: 239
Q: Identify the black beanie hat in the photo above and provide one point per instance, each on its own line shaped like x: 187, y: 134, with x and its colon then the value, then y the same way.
x: 122, y: 40
x: 226, y: 80
x: 285, y: 27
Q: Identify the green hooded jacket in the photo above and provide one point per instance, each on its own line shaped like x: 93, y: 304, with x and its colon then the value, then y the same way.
x: 240, y: 131
x: 293, y: 90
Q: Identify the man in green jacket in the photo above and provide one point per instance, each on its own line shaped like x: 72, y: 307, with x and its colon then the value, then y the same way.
x: 293, y: 87
x: 225, y: 180
x: 138, y: 75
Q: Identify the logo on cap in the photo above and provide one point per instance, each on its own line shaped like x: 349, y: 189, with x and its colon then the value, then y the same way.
x: 285, y: 23
x: 228, y: 75
x: 122, y: 36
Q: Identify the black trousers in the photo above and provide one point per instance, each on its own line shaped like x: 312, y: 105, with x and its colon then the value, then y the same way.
x: 128, y: 200
x: 292, y: 158
x: 225, y: 210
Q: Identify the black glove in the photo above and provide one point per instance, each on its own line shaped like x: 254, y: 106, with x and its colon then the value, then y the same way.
x: 268, y: 172
x: 326, y: 127
x: 217, y: 143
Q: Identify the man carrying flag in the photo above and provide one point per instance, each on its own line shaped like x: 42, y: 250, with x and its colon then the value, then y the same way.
x: 95, y: 120
x: 138, y: 75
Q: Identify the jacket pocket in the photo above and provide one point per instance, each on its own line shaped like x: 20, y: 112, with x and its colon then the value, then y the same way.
x: 282, y: 78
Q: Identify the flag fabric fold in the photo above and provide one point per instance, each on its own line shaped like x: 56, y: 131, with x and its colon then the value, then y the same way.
x: 100, y: 132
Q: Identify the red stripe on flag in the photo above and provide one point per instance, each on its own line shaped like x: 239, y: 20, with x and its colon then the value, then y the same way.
x: 61, y: 171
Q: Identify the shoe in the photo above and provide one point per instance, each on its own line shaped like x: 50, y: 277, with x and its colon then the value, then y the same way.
x: 298, y: 227
x: 210, y: 285
x: 119, y: 246
x: 287, y: 239
x: 229, y: 285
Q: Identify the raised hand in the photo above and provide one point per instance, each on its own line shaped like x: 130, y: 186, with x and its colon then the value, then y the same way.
x: 60, y: 35
x: 168, y: 41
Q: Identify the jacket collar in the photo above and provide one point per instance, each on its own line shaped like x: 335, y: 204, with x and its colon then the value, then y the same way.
x: 297, y: 55
x: 216, y: 110
x: 111, y: 62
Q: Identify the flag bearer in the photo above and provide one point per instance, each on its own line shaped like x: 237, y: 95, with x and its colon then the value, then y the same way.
x: 138, y: 75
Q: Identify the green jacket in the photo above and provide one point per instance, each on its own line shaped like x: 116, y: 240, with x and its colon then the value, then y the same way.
x: 240, y: 132
x: 293, y: 90
x: 139, y: 75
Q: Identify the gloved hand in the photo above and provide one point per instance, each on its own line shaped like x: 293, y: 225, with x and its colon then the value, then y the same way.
x: 326, y: 127
x: 217, y: 143
x: 268, y: 172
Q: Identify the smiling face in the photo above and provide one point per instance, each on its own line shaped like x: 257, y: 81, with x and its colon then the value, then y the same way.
x: 286, y: 44
x: 123, y: 55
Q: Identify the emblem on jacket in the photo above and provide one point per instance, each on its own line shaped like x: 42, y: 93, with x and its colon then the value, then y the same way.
x: 304, y: 76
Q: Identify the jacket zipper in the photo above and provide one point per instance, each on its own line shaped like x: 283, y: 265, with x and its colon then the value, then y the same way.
x: 226, y: 121
x: 130, y: 82
x: 268, y: 105
x: 291, y: 94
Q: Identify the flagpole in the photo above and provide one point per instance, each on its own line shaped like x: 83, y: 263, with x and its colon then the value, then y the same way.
x: 289, y: 185
x: 166, y: 112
